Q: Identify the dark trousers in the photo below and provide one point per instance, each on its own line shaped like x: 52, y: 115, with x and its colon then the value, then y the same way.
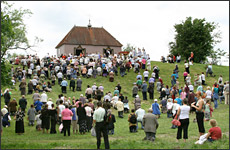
x: 73, y: 87
x: 184, y: 126
x: 133, y: 128
x: 120, y: 114
x: 89, y: 123
x: 78, y: 88
x: 146, y: 79
x: 63, y: 88
x: 100, y: 127
x: 200, y: 121
x: 59, y: 80
x: 144, y: 95
x: 53, y: 126
x: 66, y: 126
x: 134, y: 95
x: 151, y: 96
x: 150, y: 135
x: 88, y: 96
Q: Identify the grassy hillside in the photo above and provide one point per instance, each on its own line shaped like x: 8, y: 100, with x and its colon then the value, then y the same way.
x: 122, y: 139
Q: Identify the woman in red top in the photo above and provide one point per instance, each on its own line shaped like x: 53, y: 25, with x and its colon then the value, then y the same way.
x: 214, y: 133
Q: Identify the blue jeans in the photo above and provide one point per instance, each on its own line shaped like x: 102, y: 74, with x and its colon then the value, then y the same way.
x: 221, y: 98
x: 215, y: 103
x: 142, y: 127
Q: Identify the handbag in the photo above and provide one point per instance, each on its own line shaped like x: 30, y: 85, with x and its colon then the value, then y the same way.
x: 93, y: 131
x: 176, y: 122
x: 60, y: 127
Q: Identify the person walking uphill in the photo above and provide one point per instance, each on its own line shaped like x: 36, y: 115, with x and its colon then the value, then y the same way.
x: 64, y: 84
x: 98, y: 119
x: 150, y: 124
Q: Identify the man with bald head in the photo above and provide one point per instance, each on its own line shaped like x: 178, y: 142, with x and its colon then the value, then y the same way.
x: 150, y: 124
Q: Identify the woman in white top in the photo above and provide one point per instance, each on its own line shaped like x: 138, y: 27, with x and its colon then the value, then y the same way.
x: 183, y: 113
x: 208, y: 94
x: 146, y: 75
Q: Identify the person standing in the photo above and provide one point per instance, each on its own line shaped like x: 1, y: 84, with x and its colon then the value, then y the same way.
x: 23, y: 103
x: 137, y: 102
x: 135, y: 90
x: 98, y: 119
x: 36, y: 96
x: 13, y: 106
x: 226, y: 93
x: 72, y: 84
x: 151, y: 90
x: 81, y: 113
x: 120, y: 108
x: 144, y: 90
x: 183, y: 113
x: 22, y: 86
x: 44, y: 98
x: 89, y: 119
x: 66, y: 119
x: 53, y: 119
x: 74, y: 121
x: 19, y: 124
x: 7, y: 97
x: 215, y: 93
x: 45, y: 117
x: 64, y: 84
x: 150, y: 124
x: 199, y: 112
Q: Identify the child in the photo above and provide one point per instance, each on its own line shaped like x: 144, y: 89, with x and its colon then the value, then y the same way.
x: 214, y: 133
x: 39, y: 121
x: 207, y: 112
x: 126, y: 105
x: 31, y: 115
x: 112, y: 120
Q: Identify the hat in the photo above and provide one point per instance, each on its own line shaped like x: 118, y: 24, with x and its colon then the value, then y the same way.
x: 137, y: 96
x: 6, y: 106
x: 155, y: 100
x: 81, y: 95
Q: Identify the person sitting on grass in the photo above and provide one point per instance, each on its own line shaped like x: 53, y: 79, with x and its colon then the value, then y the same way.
x: 132, y: 119
x: 214, y: 133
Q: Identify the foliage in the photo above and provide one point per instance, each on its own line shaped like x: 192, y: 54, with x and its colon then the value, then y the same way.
x: 216, y: 55
x: 13, y: 29
x: 195, y: 36
x: 5, y: 73
x: 128, y: 47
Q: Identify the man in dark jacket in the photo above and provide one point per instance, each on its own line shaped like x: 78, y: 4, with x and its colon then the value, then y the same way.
x: 23, y: 103
x: 7, y: 97
x: 72, y: 84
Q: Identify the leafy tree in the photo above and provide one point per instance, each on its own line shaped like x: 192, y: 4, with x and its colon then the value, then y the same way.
x: 13, y: 29
x: 216, y: 55
x: 128, y: 47
x: 195, y: 36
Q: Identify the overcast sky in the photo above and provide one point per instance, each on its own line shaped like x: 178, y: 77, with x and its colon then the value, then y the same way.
x: 142, y: 24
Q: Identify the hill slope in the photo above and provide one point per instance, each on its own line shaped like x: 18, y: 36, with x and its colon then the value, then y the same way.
x: 122, y: 139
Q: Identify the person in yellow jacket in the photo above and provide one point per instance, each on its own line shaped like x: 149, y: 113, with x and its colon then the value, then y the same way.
x: 120, y: 108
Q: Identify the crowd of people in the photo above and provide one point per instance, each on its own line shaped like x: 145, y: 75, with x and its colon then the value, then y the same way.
x: 95, y: 104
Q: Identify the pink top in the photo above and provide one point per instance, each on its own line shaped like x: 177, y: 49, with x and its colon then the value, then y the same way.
x: 183, y: 95
x: 143, y: 61
x: 66, y: 114
x: 185, y: 74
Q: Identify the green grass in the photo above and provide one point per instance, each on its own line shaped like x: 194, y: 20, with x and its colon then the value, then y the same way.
x: 122, y: 139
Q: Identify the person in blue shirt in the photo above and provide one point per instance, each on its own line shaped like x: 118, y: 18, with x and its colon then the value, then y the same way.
x: 151, y: 80
x: 156, y: 108
x: 174, y: 78
x: 179, y: 100
x: 64, y: 84
x: 38, y: 105
x: 139, y: 76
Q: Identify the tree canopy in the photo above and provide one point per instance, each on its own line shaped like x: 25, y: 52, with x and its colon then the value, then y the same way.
x: 13, y: 29
x: 197, y: 36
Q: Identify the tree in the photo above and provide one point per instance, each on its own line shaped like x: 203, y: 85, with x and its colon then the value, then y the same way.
x: 216, y: 56
x: 13, y: 29
x: 128, y: 47
x: 195, y: 36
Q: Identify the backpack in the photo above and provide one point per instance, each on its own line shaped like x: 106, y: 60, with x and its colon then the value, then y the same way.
x: 133, y: 119
x: 107, y: 118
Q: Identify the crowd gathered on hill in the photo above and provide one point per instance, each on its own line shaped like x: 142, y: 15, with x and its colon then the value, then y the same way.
x: 92, y: 111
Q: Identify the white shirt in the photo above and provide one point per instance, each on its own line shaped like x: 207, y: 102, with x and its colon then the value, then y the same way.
x: 57, y: 68
x: 99, y: 114
x: 146, y: 73
x: 44, y: 97
x: 61, y: 107
x: 49, y: 103
x: 191, y: 88
x: 94, y: 87
x: 29, y: 71
x: 90, y: 71
x: 88, y: 111
x: 175, y: 107
x: 202, y: 77
x: 153, y: 74
x: 186, y: 65
x: 140, y: 114
x: 169, y: 105
x: 59, y: 75
x: 38, y: 67
x: 184, y: 112
x: 208, y: 94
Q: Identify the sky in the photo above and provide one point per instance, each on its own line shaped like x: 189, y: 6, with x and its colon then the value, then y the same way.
x: 148, y: 24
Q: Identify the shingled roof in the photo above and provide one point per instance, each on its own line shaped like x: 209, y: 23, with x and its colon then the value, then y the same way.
x: 89, y: 36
